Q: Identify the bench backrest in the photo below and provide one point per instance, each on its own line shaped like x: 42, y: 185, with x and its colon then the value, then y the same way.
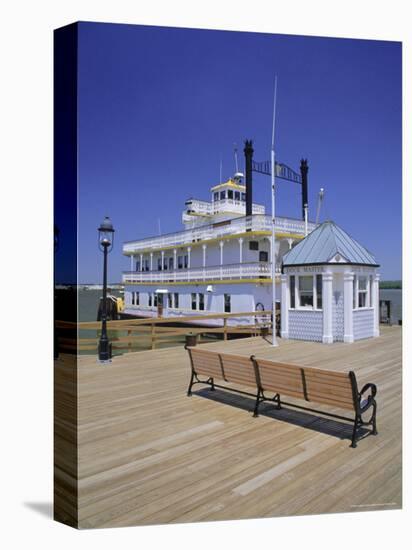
x: 309, y: 383
x: 206, y: 362
x: 236, y: 369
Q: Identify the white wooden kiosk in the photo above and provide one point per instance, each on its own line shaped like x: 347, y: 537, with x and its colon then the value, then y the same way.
x: 330, y: 289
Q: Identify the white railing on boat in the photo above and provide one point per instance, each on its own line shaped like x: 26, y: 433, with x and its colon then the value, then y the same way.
x: 224, y: 205
x: 222, y: 229
x: 252, y: 270
x: 199, y: 206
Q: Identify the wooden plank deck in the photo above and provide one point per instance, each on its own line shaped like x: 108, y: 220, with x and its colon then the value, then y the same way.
x: 148, y: 454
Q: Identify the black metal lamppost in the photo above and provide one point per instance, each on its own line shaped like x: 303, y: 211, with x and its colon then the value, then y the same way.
x: 106, y: 240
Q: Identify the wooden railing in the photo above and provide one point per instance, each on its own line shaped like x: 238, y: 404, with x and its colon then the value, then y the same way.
x: 142, y: 334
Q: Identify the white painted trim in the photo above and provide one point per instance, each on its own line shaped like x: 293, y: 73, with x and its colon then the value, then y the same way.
x: 327, y: 301
x: 284, y: 306
x: 348, y: 278
x: 189, y: 249
x: 375, y: 285
x: 204, y: 247
x: 302, y: 308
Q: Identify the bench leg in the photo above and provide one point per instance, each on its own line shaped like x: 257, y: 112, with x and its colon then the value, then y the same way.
x: 354, y: 433
x: 277, y: 399
x: 189, y: 389
x: 212, y: 382
x: 374, y: 430
x: 258, y: 400
x: 360, y: 422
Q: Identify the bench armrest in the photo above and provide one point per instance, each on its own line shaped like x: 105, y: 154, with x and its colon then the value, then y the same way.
x: 370, y: 398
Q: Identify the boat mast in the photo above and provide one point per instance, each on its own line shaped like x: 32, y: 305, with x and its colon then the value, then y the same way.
x: 273, y: 239
x: 236, y: 161
x: 320, y: 199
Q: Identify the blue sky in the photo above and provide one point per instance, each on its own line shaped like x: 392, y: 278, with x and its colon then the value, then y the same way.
x: 159, y: 107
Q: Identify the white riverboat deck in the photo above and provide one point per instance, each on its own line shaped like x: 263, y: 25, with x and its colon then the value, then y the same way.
x: 231, y: 227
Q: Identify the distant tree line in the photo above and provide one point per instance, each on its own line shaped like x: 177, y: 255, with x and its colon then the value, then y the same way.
x: 390, y: 284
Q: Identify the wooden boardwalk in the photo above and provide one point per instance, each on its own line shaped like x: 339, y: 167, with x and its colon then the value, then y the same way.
x: 148, y: 454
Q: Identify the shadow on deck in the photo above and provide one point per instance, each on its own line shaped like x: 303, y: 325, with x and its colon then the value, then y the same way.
x: 304, y: 419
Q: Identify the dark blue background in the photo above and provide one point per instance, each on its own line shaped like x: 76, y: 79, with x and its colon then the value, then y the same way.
x: 158, y: 107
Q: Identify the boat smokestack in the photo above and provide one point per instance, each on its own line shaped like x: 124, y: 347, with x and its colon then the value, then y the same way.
x: 304, y: 174
x: 248, y: 150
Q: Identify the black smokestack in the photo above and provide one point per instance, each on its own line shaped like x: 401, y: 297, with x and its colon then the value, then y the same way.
x: 304, y: 174
x: 248, y: 150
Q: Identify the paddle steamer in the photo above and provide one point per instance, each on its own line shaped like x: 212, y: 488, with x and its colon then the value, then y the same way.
x: 221, y: 260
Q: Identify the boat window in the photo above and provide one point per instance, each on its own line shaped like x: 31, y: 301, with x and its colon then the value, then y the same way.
x: 306, y: 291
x: 170, y: 263
x: 159, y: 264
x: 186, y: 261
x: 169, y: 300
x: 237, y: 195
x: 150, y: 299
x: 201, y: 302
x: 263, y: 256
x: 253, y: 245
x: 138, y: 265
x: 180, y: 262
x: 216, y: 196
x: 136, y: 298
x: 176, y: 299
x: 292, y: 291
x: 227, y: 303
x: 194, y: 301
x: 155, y: 299
x: 165, y: 263
x: 318, y: 291
x: 146, y: 265
x: 230, y: 194
x: 222, y: 195
x: 243, y: 196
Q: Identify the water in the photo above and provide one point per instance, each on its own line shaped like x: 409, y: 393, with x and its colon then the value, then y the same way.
x: 89, y: 303
x: 395, y: 297
x: 88, y: 308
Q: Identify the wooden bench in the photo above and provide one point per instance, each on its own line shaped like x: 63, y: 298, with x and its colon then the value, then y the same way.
x: 310, y: 384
